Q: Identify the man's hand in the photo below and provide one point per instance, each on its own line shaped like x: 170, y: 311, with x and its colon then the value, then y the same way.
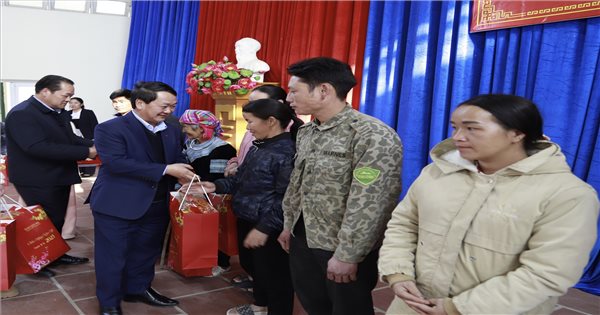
x: 284, y: 240
x: 255, y: 239
x: 341, y: 272
x: 92, y: 152
x: 183, y: 172
x: 410, y: 294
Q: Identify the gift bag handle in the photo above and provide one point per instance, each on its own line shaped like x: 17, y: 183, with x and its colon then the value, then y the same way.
x: 5, y: 205
x: 196, y: 177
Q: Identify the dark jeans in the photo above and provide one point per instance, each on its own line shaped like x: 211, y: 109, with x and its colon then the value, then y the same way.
x: 320, y: 296
x: 270, y: 268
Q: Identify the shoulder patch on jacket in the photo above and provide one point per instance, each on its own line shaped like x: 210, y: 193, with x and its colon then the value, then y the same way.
x: 366, y: 175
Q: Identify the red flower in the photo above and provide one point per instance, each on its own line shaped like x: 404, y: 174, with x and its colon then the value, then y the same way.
x: 244, y: 82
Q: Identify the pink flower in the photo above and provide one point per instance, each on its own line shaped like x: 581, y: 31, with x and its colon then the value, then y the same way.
x: 244, y: 82
x: 218, y: 82
x: 218, y: 77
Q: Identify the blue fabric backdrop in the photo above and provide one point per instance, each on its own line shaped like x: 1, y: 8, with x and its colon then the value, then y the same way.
x: 162, y: 44
x: 421, y: 61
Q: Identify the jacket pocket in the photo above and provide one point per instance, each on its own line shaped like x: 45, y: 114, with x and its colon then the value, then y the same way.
x: 429, y: 246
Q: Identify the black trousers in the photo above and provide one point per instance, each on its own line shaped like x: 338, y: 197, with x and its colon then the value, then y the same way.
x: 126, y: 251
x: 270, y: 268
x: 320, y: 296
x: 53, y: 199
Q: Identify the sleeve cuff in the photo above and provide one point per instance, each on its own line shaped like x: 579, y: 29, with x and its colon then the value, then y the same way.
x: 450, y: 308
x: 395, y: 278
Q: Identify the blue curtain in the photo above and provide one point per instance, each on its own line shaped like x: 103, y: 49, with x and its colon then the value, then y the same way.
x: 162, y: 44
x: 421, y: 61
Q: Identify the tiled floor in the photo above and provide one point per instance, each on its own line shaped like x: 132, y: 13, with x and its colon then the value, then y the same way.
x: 71, y: 291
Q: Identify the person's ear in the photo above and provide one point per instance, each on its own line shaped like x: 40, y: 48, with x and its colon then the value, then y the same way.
x: 138, y: 103
x: 272, y: 121
x: 326, y: 90
x: 517, y: 136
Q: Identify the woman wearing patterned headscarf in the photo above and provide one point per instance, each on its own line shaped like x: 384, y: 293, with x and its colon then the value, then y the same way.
x: 205, y: 151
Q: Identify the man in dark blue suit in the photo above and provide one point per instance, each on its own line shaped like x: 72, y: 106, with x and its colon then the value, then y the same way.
x: 141, y: 162
x: 43, y: 152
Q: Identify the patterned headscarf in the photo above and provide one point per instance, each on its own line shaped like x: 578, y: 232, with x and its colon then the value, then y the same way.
x: 203, y: 118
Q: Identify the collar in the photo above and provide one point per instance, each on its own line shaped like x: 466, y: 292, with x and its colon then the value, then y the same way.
x: 283, y: 135
x: 339, y: 118
x: 160, y: 127
x: 48, y: 107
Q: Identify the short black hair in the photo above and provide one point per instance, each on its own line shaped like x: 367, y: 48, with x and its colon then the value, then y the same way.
x: 513, y: 113
x: 80, y: 100
x: 146, y: 91
x: 51, y: 82
x: 315, y: 71
x: 120, y: 92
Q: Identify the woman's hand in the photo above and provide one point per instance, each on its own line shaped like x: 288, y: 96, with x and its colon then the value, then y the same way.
x: 196, y: 188
x: 435, y: 307
x: 231, y: 169
x: 410, y: 294
x: 255, y: 239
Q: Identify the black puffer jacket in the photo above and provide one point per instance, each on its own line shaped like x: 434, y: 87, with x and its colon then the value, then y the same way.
x: 260, y: 183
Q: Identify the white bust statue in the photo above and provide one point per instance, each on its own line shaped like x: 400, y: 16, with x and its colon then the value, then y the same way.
x: 245, y: 54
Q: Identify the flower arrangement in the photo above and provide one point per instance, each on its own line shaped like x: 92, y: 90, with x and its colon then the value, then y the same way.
x: 219, y: 77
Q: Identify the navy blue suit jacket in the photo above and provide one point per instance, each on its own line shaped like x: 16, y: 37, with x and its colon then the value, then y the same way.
x: 128, y: 178
x: 42, y: 149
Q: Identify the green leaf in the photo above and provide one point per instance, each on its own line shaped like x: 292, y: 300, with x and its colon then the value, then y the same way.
x: 241, y: 91
x: 227, y: 82
x: 246, y: 73
x: 208, y: 74
x: 224, y: 75
x: 234, y: 75
x: 202, y: 66
x: 207, y: 84
x: 256, y: 78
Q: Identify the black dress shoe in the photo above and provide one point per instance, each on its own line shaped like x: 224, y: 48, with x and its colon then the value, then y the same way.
x: 46, y: 272
x: 110, y: 311
x: 69, y: 260
x: 150, y: 297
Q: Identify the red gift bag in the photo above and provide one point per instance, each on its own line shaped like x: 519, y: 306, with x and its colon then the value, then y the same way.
x: 8, y: 252
x: 91, y: 162
x: 194, y: 236
x: 37, y: 240
x: 228, y: 243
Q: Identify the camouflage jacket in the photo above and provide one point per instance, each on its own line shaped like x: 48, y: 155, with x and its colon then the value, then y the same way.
x: 346, y: 182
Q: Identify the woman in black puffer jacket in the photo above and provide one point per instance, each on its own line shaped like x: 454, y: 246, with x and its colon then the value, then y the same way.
x: 258, y: 188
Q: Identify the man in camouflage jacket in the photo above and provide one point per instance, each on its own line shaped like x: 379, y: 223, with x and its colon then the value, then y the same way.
x: 344, y: 186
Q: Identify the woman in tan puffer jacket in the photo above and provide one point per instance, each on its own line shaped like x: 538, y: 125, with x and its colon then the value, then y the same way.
x: 497, y: 224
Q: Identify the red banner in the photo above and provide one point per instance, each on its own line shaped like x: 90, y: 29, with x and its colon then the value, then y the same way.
x: 494, y: 14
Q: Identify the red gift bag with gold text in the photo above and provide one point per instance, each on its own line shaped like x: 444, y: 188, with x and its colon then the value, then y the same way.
x: 37, y: 240
x: 228, y: 243
x: 8, y: 252
x: 194, y: 236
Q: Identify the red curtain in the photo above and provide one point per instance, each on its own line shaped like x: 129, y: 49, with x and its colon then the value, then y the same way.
x: 289, y: 31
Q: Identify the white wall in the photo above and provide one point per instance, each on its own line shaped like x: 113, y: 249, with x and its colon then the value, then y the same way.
x: 86, y: 48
